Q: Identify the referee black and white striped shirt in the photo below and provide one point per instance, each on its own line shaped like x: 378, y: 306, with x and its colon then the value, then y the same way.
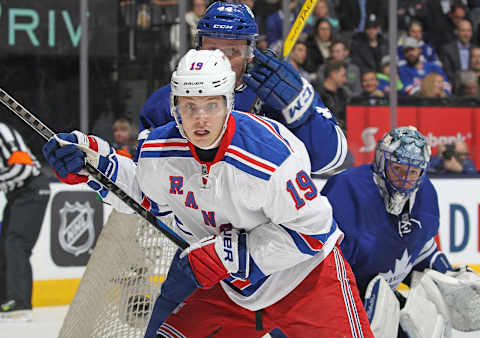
x: 17, y: 163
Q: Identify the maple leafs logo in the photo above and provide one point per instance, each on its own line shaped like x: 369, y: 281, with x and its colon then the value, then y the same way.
x: 401, y: 269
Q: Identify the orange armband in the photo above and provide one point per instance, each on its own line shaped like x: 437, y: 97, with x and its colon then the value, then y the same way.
x: 20, y: 157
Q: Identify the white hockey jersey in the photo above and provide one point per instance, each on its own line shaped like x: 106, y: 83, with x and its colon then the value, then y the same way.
x: 259, y: 181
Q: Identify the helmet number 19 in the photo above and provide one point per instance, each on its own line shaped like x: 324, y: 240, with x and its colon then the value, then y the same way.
x: 196, y: 66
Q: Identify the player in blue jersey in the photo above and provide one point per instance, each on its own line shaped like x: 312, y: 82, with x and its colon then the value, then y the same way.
x: 389, y: 213
x: 286, y: 96
x: 263, y: 243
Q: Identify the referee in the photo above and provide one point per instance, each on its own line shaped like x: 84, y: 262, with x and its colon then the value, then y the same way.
x: 27, y: 193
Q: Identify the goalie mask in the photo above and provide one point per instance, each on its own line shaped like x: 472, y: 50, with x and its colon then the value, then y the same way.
x: 401, y: 160
x: 203, y: 73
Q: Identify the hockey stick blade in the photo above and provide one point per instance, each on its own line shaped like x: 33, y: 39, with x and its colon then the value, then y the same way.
x: 46, y: 133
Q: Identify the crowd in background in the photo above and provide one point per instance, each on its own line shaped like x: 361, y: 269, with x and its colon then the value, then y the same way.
x: 344, y: 50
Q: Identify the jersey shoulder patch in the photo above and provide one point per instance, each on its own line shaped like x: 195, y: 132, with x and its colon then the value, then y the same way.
x: 165, y: 141
x: 257, y: 147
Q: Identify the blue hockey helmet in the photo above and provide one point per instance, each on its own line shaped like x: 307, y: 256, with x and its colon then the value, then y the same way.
x: 406, y: 146
x: 224, y: 20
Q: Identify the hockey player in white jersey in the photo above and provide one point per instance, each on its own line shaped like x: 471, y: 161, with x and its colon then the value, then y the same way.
x: 263, y: 243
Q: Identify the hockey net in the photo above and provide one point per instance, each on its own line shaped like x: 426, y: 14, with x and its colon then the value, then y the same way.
x: 122, y: 280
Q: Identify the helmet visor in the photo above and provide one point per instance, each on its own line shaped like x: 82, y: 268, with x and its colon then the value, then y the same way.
x: 190, y: 108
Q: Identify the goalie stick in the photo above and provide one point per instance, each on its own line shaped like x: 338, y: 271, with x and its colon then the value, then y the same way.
x: 46, y: 133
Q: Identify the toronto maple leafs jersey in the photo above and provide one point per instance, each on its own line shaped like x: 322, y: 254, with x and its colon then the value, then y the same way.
x: 377, y: 242
x: 324, y: 140
x: 259, y: 181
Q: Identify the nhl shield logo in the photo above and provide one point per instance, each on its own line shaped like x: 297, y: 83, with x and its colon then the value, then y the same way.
x: 76, y: 222
x: 76, y: 234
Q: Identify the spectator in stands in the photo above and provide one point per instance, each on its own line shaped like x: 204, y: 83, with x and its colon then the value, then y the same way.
x: 466, y: 84
x: 27, y: 192
x: 297, y: 59
x: 274, y: 25
x: 318, y: 45
x: 475, y: 60
x: 321, y: 11
x: 370, y: 84
x: 332, y: 92
x: 191, y: 19
x: 409, y: 11
x: 432, y: 87
x: 369, y: 47
x: 452, y: 158
x: 383, y: 76
x: 262, y: 9
x: 429, y: 52
x: 354, y: 14
x: 413, y: 69
x: 441, y: 20
x: 455, y: 55
x: 249, y: 3
x: 123, y: 137
x: 339, y: 52
x: 474, y: 16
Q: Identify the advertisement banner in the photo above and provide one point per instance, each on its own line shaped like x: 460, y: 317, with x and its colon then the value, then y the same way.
x: 52, y: 27
x: 440, y: 125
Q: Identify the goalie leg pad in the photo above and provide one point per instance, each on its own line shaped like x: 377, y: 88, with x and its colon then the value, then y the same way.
x: 383, y: 308
x: 461, y: 293
x: 425, y: 314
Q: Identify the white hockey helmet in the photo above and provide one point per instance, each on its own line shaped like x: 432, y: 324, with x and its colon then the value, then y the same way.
x: 203, y: 73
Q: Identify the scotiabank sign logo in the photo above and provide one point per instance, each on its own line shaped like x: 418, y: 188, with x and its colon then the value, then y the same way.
x: 435, y: 141
x: 369, y: 139
x: 367, y: 124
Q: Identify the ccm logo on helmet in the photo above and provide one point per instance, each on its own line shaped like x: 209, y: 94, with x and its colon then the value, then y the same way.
x: 222, y: 26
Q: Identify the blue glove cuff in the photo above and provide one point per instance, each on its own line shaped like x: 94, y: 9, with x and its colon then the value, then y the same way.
x: 161, y: 310
x: 301, y: 107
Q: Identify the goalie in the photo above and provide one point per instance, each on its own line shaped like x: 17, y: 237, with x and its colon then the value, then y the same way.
x: 263, y: 243
x: 389, y: 213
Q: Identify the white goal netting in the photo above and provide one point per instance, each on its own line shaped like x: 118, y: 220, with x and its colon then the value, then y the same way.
x: 122, y: 279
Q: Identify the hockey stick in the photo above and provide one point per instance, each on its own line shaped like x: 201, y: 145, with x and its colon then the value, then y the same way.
x: 291, y: 39
x: 47, y: 134
x: 297, y: 26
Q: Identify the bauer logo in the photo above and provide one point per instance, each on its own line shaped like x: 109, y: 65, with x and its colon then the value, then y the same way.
x: 77, y: 219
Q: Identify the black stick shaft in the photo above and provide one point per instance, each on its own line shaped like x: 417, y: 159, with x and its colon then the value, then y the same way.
x: 44, y: 131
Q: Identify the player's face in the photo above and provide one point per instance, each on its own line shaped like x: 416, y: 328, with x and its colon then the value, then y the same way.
x: 403, y: 176
x: 235, y: 50
x: 202, y: 118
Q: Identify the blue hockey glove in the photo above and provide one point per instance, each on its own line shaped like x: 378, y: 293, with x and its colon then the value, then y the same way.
x: 202, y: 265
x: 66, y: 153
x: 278, y: 84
